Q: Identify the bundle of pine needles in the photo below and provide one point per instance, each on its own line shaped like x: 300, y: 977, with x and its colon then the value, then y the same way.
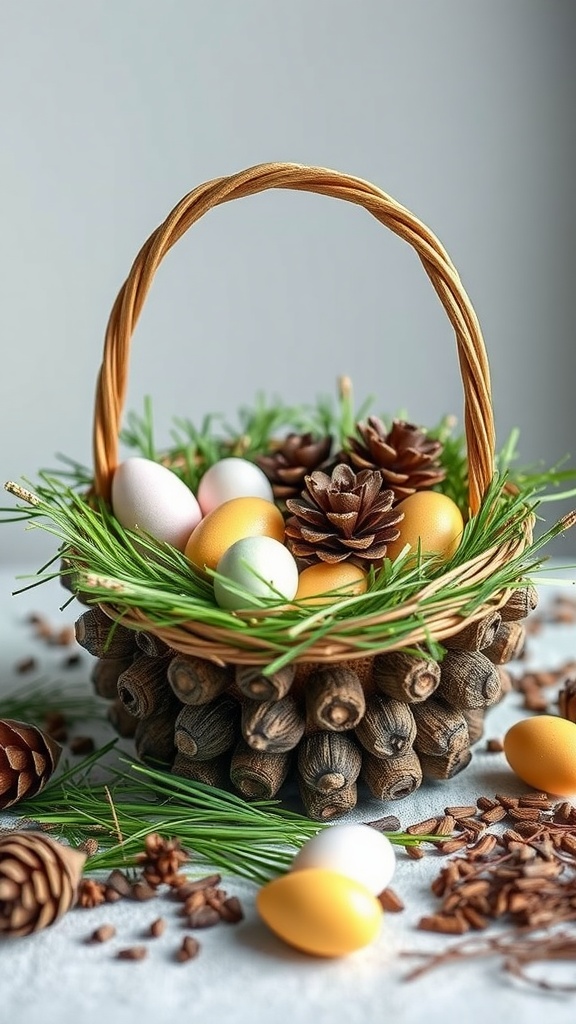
x: 119, y: 802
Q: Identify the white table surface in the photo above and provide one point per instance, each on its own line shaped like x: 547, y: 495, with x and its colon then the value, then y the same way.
x: 243, y: 973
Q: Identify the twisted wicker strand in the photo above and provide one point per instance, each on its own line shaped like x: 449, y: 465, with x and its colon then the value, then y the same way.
x: 113, y: 376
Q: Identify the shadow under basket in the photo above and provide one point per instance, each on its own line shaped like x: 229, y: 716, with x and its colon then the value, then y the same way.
x: 201, y: 699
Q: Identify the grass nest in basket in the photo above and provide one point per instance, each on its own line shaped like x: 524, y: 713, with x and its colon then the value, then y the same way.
x: 414, y: 601
x: 386, y: 684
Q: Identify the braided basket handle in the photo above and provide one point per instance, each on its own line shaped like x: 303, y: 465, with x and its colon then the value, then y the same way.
x: 113, y: 375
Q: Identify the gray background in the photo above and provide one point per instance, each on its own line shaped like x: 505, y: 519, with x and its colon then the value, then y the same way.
x: 111, y: 111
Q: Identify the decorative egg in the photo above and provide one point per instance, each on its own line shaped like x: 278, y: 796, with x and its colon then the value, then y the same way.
x: 260, y: 565
x: 229, y: 522
x: 232, y: 478
x: 354, y: 850
x: 542, y: 752
x: 150, y: 498
x: 320, y: 911
x: 323, y: 578
x: 432, y: 520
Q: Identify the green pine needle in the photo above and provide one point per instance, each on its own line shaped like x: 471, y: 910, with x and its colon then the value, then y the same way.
x: 34, y: 702
x: 111, y: 565
x: 251, y: 840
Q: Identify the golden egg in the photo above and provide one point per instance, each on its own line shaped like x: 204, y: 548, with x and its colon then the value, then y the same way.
x: 320, y: 911
x: 432, y: 520
x: 229, y: 522
x: 542, y: 752
x: 320, y: 579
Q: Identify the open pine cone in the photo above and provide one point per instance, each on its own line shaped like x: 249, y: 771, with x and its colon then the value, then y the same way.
x: 295, y: 457
x: 27, y: 759
x: 38, y: 881
x: 343, y: 516
x: 406, y: 457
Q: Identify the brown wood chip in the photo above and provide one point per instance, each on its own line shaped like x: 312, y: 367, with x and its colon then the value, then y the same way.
x: 390, y: 901
x: 132, y: 953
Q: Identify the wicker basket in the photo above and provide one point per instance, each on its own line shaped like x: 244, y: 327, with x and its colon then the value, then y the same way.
x: 335, y: 717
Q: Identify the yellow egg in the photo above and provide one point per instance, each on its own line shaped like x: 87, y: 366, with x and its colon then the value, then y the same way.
x: 431, y: 519
x: 321, y: 578
x: 229, y: 522
x: 320, y: 911
x: 542, y: 752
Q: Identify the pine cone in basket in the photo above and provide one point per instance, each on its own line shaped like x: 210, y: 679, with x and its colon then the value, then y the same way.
x: 38, y: 881
x: 27, y: 759
x: 295, y: 457
x: 406, y: 457
x: 343, y: 516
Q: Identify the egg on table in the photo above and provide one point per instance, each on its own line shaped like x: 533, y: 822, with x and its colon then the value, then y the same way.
x: 262, y: 566
x: 150, y: 498
x: 352, y: 849
x: 232, y: 478
x: 229, y: 522
x: 431, y: 520
x: 542, y: 752
x: 320, y: 912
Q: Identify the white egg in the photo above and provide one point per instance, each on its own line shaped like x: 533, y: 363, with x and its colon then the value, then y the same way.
x: 232, y: 478
x: 260, y: 565
x: 151, y: 498
x: 354, y: 850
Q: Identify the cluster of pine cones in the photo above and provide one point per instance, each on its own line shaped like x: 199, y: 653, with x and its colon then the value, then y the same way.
x: 343, y: 506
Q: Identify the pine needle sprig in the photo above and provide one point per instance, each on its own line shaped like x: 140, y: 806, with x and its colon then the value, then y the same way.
x: 251, y: 840
x: 110, y: 567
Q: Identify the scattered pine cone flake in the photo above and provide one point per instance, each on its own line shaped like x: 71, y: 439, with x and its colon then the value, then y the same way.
x: 525, y: 876
x: 567, y: 700
x: 90, y: 893
x: 162, y: 860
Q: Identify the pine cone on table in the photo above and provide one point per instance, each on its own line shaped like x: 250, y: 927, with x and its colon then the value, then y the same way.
x: 406, y: 457
x: 343, y: 516
x: 27, y: 759
x: 295, y: 457
x: 38, y: 881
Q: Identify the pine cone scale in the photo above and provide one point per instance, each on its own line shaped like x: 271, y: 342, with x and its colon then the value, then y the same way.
x: 316, y: 536
x: 345, y: 522
x: 313, y: 516
x: 16, y: 758
x: 27, y: 759
x: 24, y: 785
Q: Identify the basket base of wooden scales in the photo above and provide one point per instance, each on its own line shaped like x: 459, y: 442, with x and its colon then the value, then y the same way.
x: 386, y: 722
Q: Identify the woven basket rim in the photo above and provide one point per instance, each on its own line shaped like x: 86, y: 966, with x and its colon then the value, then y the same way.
x: 223, y: 645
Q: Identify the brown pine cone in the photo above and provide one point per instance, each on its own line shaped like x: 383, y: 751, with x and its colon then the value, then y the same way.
x: 27, y: 759
x: 295, y: 457
x: 343, y: 516
x: 38, y: 881
x: 406, y: 457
